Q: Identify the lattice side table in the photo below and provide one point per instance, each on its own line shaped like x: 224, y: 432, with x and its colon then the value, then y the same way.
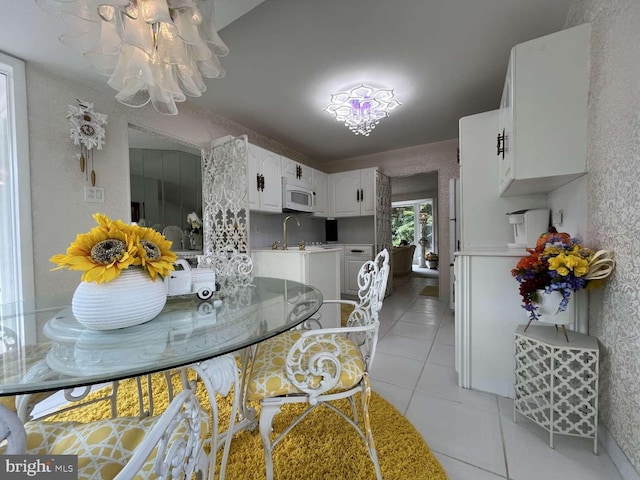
x: 556, y: 382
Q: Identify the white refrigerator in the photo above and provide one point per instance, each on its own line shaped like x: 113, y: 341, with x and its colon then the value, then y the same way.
x: 454, y: 233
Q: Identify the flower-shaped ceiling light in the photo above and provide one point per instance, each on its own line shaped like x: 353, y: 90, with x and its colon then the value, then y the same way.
x: 362, y: 107
x: 151, y: 50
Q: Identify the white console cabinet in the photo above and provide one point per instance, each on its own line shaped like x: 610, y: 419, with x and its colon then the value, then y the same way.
x: 542, y: 136
x: 556, y: 381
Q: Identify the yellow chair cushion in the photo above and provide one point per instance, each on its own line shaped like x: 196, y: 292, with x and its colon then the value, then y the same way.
x: 9, y: 402
x: 269, y: 377
x: 103, y: 447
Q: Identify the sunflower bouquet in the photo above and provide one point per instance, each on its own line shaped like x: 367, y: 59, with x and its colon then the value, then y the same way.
x: 559, y: 263
x: 113, y: 246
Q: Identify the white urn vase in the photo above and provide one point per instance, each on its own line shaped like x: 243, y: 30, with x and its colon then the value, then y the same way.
x: 548, y: 304
x: 130, y: 299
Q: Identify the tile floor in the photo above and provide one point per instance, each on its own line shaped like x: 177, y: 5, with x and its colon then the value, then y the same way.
x: 472, y: 433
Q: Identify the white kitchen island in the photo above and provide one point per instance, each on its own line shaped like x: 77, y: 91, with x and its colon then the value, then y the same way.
x: 315, y: 266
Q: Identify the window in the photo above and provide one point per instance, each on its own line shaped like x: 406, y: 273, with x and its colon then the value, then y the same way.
x: 16, y: 246
x: 410, y: 222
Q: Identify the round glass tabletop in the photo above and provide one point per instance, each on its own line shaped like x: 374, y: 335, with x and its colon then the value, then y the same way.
x: 66, y: 354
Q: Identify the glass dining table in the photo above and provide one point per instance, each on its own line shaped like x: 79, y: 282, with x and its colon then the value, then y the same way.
x: 64, y: 354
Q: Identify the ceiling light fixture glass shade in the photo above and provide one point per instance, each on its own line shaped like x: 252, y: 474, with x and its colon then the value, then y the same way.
x: 154, y: 51
x: 362, y: 107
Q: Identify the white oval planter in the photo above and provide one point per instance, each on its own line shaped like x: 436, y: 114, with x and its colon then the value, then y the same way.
x: 548, y: 304
x: 131, y: 299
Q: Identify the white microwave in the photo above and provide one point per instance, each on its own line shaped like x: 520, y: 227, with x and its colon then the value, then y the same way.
x: 297, y: 196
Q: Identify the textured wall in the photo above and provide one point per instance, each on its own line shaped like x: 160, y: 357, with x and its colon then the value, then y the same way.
x: 59, y: 211
x: 437, y: 157
x: 614, y: 207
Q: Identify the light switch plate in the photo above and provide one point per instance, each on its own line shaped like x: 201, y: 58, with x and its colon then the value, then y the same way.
x: 93, y: 194
x: 556, y: 218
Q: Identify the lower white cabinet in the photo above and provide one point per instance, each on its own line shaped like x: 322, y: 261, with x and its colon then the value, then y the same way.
x: 320, y: 268
x: 487, y: 312
x: 354, y: 257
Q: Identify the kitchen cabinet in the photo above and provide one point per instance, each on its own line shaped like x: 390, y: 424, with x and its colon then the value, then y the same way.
x: 320, y: 268
x: 487, y: 312
x: 542, y: 134
x: 482, y: 221
x: 319, y: 180
x: 353, y: 193
x: 295, y: 170
x: 354, y: 256
x: 264, y: 180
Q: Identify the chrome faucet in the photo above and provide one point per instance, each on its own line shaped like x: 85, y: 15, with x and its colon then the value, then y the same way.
x: 284, y: 229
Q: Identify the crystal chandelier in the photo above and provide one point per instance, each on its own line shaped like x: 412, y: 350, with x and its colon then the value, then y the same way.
x: 154, y: 51
x: 362, y: 107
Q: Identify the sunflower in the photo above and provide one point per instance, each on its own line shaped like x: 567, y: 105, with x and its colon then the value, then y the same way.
x: 154, y: 251
x: 113, y: 246
x: 101, y: 254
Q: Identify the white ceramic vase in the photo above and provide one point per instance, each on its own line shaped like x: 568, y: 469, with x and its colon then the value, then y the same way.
x: 130, y: 299
x: 548, y: 304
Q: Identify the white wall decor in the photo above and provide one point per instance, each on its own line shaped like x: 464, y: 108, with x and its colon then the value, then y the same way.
x: 224, y: 203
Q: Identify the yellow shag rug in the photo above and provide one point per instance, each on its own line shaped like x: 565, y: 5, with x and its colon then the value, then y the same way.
x: 322, y: 446
x: 345, y: 311
x: 430, y: 291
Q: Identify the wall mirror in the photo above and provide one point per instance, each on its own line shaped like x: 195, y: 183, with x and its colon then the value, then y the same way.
x: 166, y: 179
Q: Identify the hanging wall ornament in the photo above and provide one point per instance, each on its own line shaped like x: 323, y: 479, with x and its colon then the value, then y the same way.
x: 87, y: 131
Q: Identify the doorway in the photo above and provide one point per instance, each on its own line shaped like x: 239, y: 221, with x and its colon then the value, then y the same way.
x: 416, y: 196
x: 412, y: 224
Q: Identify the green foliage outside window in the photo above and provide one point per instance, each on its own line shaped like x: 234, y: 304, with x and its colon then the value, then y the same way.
x: 403, y: 224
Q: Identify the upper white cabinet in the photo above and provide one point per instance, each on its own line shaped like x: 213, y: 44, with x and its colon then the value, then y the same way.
x: 352, y: 193
x: 319, y: 180
x: 295, y: 170
x: 264, y: 180
x: 542, y: 135
x: 482, y: 211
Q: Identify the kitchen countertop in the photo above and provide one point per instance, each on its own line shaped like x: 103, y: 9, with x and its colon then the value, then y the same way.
x: 308, y: 249
x: 492, y: 252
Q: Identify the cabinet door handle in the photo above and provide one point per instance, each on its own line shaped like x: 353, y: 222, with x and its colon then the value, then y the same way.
x: 261, y: 183
x: 357, y: 195
x: 258, y: 181
x: 500, y: 146
x: 362, y: 194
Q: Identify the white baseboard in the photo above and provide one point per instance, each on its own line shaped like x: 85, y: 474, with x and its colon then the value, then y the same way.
x: 618, y: 457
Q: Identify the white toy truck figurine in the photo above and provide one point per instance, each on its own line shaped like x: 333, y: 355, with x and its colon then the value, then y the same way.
x: 185, y: 280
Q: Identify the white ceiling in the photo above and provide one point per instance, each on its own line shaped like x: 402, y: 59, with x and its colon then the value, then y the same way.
x: 445, y: 59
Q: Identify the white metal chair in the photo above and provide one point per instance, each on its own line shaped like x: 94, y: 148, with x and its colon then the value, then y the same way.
x: 173, y: 233
x: 219, y: 375
x: 322, y: 365
x: 165, y: 446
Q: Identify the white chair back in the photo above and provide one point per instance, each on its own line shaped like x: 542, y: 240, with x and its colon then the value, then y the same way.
x: 173, y: 233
